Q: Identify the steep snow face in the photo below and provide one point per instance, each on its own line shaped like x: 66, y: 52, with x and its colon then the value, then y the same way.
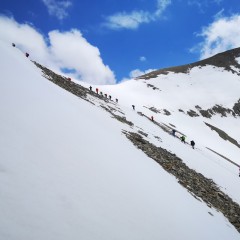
x: 67, y: 172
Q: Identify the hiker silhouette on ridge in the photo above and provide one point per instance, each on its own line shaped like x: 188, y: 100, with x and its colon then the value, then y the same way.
x: 174, y: 132
x: 183, y: 138
x: 192, y: 144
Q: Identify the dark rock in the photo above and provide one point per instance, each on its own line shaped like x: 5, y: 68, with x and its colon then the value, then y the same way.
x: 236, y: 108
x: 166, y: 112
x: 205, y: 113
x: 192, y: 113
x: 143, y: 133
x: 199, y: 186
x: 152, y: 86
x: 223, y: 135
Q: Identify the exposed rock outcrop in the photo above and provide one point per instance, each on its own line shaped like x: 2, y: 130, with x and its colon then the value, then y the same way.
x: 199, y: 186
x: 223, y: 135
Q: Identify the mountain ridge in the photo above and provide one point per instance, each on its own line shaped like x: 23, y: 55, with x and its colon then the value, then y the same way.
x: 224, y: 60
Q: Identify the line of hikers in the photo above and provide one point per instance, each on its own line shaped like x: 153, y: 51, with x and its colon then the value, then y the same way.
x: 26, y: 54
x: 183, y: 138
x: 105, y: 95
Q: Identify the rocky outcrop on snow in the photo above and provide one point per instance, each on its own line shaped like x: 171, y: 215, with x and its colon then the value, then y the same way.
x: 236, y: 108
x: 223, y: 135
x: 200, y: 187
x: 217, y: 109
x: 68, y: 85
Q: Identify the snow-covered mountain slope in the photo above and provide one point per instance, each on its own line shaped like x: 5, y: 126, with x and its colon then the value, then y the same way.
x: 205, y: 94
x: 67, y: 171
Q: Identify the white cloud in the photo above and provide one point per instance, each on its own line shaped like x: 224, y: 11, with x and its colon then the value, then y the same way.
x: 137, y: 72
x: 221, y: 35
x: 127, y: 20
x: 81, y: 56
x: 57, y: 8
x: 161, y: 6
x: 133, y: 20
x: 142, y: 59
x: 219, y: 14
x: 69, y: 50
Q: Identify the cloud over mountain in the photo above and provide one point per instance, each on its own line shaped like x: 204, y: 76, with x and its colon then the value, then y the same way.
x: 65, y: 51
x: 132, y: 20
x: 221, y: 35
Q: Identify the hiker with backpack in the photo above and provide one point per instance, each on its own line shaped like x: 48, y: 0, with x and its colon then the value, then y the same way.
x: 183, y: 138
x: 192, y: 144
x: 174, y: 132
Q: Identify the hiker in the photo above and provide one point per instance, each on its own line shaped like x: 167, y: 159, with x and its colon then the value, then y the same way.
x: 105, y: 95
x: 174, y: 132
x: 69, y: 79
x: 192, y: 144
x: 90, y: 88
x: 152, y: 118
x: 27, y: 55
x: 97, y: 90
x: 101, y: 93
x: 133, y: 107
x: 110, y: 97
x: 183, y: 138
x: 116, y: 100
x: 13, y: 44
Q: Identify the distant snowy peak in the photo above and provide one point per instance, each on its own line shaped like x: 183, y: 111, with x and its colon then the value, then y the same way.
x: 229, y: 60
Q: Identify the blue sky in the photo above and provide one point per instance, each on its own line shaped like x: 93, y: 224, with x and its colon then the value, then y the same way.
x: 108, y: 41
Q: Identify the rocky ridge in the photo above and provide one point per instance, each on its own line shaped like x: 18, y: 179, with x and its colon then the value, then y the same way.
x: 202, y: 188
x: 225, y: 60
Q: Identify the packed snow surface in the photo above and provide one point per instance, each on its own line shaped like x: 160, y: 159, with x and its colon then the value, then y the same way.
x: 68, y: 172
x: 238, y: 60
